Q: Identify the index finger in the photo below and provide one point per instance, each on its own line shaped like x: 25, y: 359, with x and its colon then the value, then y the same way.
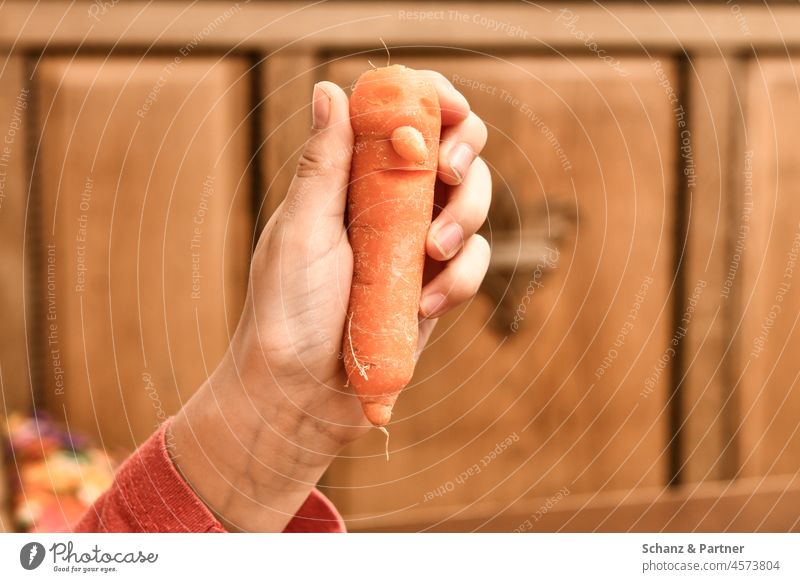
x: 454, y: 106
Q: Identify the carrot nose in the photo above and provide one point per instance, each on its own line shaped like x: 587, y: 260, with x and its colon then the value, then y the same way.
x: 409, y: 144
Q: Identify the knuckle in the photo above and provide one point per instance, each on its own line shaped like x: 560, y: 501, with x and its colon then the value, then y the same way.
x: 483, y: 179
x: 483, y: 169
x: 466, y: 286
x: 438, y: 77
x: 473, y: 267
x: 483, y: 247
x: 312, y: 163
x: 483, y: 253
x: 480, y: 129
x: 475, y: 197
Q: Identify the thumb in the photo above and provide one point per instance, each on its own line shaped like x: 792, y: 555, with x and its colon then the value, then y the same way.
x: 319, y: 186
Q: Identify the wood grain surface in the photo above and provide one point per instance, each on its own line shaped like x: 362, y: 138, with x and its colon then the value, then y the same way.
x: 498, y: 414
x: 147, y: 226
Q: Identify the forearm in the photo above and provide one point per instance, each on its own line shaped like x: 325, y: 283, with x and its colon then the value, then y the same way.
x: 253, y: 449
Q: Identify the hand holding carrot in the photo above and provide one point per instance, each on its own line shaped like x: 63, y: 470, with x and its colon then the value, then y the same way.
x: 276, y: 411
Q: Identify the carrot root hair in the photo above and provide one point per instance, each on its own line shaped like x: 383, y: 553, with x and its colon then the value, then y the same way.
x: 386, y: 433
x: 388, y: 55
x: 362, y: 370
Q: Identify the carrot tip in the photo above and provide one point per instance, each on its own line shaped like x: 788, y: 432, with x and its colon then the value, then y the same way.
x: 377, y: 413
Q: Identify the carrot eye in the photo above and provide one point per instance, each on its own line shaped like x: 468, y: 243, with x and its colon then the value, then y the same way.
x: 386, y: 94
x: 429, y: 106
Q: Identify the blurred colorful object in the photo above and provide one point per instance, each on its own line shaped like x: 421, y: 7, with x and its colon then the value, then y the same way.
x: 58, y: 475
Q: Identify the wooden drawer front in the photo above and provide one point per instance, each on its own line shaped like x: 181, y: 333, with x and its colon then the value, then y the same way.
x: 550, y: 379
x: 15, y: 112
x: 768, y: 221
x: 146, y: 223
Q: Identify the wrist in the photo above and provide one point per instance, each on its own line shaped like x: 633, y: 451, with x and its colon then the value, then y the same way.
x: 251, y: 463
x: 315, y: 408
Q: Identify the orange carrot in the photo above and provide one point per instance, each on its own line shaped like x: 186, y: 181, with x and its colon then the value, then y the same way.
x: 396, y: 120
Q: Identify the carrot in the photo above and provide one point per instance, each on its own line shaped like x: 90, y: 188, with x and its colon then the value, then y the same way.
x: 396, y: 120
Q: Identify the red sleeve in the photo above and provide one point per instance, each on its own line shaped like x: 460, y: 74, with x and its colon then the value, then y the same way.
x: 149, y: 495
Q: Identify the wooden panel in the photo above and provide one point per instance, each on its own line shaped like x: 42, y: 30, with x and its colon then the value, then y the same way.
x: 288, y: 83
x: 770, y: 299
x: 583, y: 156
x: 744, y: 505
x: 15, y: 98
x: 346, y: 24
x: 716, y: 219
x: 147, y: 224
x: 5, y: 482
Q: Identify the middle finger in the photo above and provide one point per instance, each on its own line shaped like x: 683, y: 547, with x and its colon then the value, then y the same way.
x: 463, y: 214
x: 460, y: 145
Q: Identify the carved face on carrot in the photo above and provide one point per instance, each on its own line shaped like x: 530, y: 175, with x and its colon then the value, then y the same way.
x: 396, y: 121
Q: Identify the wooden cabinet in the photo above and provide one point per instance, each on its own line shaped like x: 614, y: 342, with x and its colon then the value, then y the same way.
x: 15, y: 106
x: 146, y: 231
x: 768, y: 284
x: 551, y: 379
x: 629, y: 357
x: 5, y: 497
x: 706, y: 411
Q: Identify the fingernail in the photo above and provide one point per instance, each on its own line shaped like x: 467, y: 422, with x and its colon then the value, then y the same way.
x: 430, y: 304
x: 448, y: 239
x: 320, y: 108
x: 460, y: 159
